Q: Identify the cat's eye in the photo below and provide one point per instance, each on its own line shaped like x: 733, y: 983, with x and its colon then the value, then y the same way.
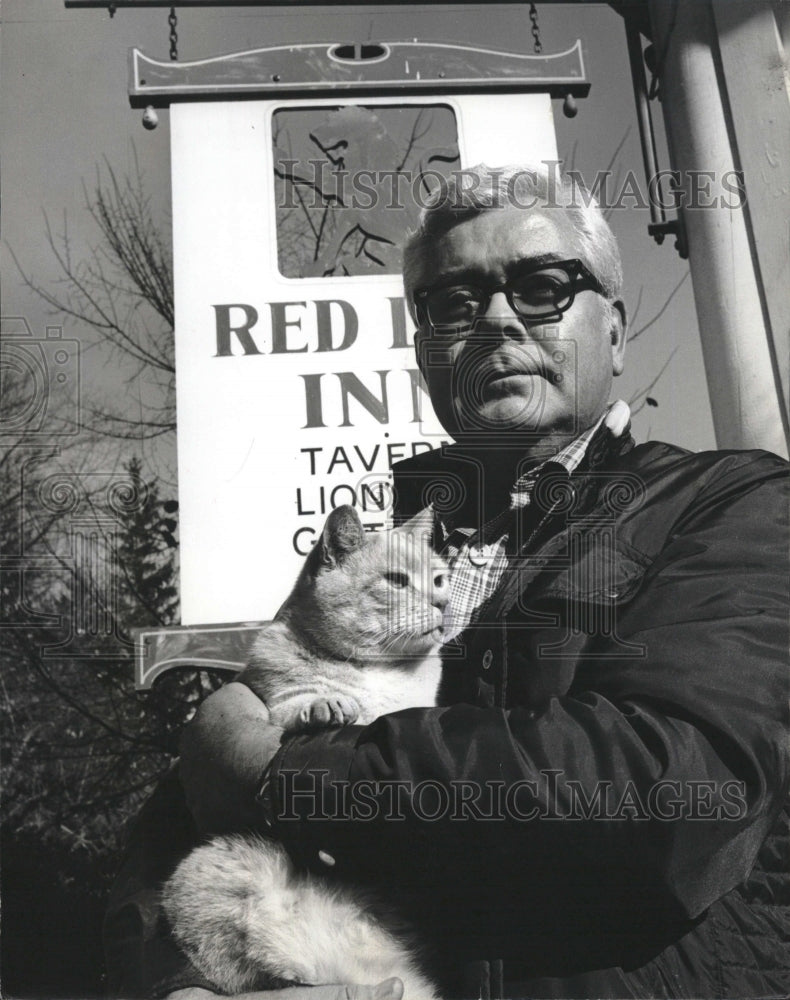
x: 397, y: 579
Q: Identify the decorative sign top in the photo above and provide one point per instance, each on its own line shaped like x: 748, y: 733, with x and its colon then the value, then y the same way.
x: 359, y: 68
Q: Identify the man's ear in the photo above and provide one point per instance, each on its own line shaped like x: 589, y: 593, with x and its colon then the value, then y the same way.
x: 419, y: 349
x: 617, y: 331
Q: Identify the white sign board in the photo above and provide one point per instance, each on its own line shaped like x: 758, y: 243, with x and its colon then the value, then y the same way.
x: 297, y: 387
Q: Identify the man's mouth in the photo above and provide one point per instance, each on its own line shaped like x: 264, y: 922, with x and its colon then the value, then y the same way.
x: 503, y: 378
x: 509, y: 361
x: 515, y: 371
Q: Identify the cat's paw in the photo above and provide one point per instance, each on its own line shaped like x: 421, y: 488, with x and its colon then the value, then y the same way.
x: 334, y: 710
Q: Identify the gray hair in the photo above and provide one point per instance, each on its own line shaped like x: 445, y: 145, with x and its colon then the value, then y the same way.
x: 480, y: 189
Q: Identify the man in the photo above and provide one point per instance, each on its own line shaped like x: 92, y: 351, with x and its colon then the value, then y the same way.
x: 610, y: 760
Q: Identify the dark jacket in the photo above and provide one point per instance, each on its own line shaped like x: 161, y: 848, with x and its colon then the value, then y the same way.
x: 596, y: 810
x: 632, y: 677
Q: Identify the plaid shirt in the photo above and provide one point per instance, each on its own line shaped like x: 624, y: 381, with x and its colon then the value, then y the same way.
x: 478, y: 559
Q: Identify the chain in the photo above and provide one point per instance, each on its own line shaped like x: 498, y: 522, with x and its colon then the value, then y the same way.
x: 533, y: 16
x: 172, y: 20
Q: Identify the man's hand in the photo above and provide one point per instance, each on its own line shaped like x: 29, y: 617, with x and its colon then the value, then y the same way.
x: 390, y: 989
x: 225, y: 750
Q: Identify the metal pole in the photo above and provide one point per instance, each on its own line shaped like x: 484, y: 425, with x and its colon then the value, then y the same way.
x: 737, y: 346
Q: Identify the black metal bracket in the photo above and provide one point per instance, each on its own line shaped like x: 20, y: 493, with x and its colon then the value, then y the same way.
x: 659, y: 226
x: 671, y: 227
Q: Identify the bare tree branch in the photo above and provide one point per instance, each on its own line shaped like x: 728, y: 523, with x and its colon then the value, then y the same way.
x: 639, y: 400
x: 654, y: 319
x: 122, y: 290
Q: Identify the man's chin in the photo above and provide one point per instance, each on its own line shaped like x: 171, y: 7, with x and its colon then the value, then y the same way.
x: 509, y: 417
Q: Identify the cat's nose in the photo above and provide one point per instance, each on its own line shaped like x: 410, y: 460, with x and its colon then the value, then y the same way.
x: 441, y: 590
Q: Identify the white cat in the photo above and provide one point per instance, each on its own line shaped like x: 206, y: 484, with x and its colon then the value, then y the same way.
x: 357, y: 638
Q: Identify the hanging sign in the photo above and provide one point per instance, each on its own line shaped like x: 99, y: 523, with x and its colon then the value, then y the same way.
x: 297, y: 386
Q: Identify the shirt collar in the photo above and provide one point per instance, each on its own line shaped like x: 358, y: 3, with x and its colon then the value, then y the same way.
x: 616, y: 418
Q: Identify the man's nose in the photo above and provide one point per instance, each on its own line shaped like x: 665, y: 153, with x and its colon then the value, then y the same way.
x: 500, y: 319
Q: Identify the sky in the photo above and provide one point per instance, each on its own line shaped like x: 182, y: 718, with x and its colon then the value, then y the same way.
x: 65, y: 111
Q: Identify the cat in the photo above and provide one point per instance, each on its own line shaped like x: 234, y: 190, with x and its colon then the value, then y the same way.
x: 358, y: 637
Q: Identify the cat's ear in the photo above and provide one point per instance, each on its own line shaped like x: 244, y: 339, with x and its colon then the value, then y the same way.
x: 343, y: 534
x: 421, y: 525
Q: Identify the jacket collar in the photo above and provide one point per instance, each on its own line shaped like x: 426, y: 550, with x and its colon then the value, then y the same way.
x: 602, y: 449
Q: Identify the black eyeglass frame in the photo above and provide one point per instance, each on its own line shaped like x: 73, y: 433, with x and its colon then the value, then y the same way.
x: 580, y: 279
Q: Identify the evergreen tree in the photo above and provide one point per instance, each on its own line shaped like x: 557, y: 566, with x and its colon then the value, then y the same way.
x: 147, y: 555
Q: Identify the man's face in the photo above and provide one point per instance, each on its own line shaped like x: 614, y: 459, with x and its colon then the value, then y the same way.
x: 507, y: 375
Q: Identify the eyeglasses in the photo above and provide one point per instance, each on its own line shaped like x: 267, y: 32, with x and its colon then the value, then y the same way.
x: 547, y: 290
